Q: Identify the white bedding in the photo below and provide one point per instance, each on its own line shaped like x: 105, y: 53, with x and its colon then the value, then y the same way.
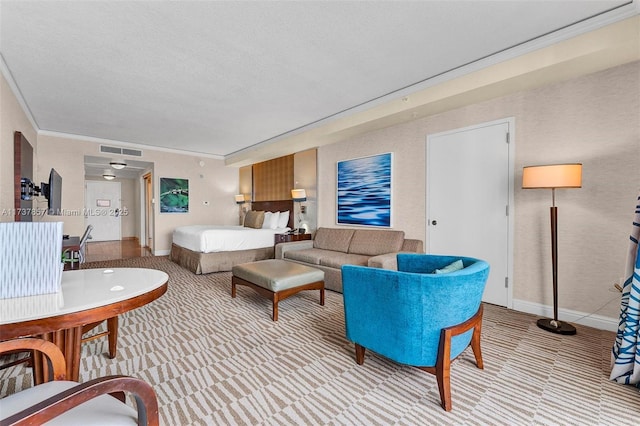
x: 213, y: 238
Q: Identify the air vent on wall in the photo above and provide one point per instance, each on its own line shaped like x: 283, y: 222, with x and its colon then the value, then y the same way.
x: 123, y: 151
x: 132, y: 152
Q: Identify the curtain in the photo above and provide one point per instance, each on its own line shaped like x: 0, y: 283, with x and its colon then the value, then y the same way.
x: 626, y: 349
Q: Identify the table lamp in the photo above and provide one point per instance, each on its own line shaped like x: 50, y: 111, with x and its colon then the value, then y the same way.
x: 240, y: 200
x: 298, y: 195
x: 552, y: 177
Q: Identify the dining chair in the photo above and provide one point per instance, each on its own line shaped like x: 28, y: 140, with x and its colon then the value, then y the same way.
x: 425, y: 314
x: 83, y: 243
x: 62, y: 402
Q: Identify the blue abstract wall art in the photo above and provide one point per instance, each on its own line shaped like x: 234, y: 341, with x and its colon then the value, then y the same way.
x: 364, y: 191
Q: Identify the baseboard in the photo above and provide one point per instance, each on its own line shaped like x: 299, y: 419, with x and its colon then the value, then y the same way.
x: 596, y: 321
x: 161, y: 252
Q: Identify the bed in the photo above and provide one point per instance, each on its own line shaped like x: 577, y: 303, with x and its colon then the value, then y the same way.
x: 203, y: 249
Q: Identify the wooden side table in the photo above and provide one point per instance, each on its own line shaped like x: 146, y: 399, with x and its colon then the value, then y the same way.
x: 286, y: 238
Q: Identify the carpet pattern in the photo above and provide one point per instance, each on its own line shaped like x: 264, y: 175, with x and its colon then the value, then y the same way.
x: 215, y: 360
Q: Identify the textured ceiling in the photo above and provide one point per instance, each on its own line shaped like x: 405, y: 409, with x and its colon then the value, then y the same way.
x: 218, y: 77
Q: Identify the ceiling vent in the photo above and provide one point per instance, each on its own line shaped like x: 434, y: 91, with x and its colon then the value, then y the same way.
x: 122, y: 151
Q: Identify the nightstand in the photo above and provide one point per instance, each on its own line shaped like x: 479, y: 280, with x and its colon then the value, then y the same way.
x: 285, y: 238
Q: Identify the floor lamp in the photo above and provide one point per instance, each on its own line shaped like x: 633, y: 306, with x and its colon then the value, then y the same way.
x: 552, y: 177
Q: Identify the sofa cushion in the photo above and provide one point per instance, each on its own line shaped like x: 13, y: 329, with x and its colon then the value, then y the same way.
x: 374, y: 242
x: 333, y: 239
x: 311, y: 256
x: 336, y: 259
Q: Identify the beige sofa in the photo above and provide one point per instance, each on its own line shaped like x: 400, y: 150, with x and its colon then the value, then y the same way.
x: 333, y: 247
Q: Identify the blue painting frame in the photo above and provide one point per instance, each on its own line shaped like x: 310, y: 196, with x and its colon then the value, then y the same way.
x: 364, y: 191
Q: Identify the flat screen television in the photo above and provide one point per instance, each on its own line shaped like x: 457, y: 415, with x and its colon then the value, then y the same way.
x: 52, y: 191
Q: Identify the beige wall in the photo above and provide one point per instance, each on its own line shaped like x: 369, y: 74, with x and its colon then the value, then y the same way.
x: 212, y: 182
x: 305, y: 176
x: 12, y: 119
x: 594, y: 120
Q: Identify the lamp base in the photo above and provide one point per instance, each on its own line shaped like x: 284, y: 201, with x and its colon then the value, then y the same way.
x: 558, y: 327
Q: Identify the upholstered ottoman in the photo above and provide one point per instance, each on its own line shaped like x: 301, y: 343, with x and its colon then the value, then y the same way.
x: 277, y: 279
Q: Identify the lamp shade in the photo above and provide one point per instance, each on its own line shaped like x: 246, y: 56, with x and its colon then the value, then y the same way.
x: 299, y: 195
x: 118, y: 165
x: 108, y: 176
x: 240, y: 199
x: 552, y: 176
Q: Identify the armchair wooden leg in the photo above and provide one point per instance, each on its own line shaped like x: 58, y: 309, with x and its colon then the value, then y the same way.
x: 443, y: 369
x: 475, y: 339
x: 112, y: 328
x: 360, y: 350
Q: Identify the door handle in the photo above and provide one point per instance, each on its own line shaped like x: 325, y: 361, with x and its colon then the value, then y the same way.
x: 434, y: 222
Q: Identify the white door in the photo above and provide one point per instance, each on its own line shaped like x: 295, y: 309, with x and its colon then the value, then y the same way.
x: 468, y: 196
x: 102, y: 210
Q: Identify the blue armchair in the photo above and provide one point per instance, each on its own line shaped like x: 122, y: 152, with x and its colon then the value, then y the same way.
x: 415, y: 316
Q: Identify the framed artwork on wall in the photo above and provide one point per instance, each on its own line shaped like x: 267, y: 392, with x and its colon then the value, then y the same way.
x: 174, y: 195
x: 364, y: 191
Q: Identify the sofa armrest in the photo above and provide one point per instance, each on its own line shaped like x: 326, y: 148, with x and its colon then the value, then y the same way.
x: 384, y: 261
x: 293, y: 245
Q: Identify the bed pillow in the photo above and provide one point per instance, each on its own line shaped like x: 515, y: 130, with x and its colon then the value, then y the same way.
x: 283, y: 220
x: 254, y: 219
x: 270, y: 220
x: 266, y: 223
x: 275, y: 218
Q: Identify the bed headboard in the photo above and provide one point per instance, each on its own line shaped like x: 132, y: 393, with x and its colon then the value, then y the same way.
x: 275, y: 206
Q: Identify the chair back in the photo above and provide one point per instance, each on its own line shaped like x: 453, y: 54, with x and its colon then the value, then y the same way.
x: 86, y: 235
x: 69, y: 402
x: 54, y: 356
x: 400, y: 314
x: 83, y: 242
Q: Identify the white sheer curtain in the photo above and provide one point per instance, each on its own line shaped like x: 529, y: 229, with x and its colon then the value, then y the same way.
x: 626, y: 350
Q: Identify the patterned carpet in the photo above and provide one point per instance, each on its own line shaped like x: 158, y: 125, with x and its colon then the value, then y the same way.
x: 214, y: 360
